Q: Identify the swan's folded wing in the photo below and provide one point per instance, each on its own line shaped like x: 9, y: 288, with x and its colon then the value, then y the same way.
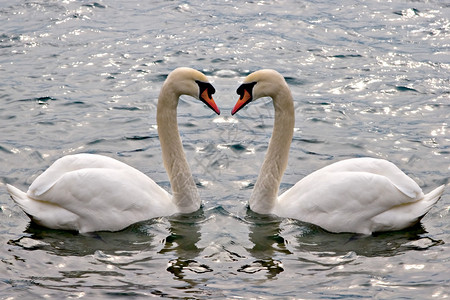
x: 341, y: 201
x: 109, y: 199
x: 68, y: 164
x: 379, y: 167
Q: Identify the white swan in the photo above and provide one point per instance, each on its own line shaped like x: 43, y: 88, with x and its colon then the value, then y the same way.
x: 88, y: 192
x: 360, y: 195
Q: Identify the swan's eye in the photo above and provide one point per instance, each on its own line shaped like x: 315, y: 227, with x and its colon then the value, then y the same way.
x: 245, y: 87
x: 240, y: 91
x: 206, y: 86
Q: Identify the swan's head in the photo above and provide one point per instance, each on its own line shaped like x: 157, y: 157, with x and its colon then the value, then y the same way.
x: 262, y: 83
x: 187, y: 81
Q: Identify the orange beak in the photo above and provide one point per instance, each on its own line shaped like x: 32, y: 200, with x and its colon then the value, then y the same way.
x: 208, y: 100
x: 246, y: 98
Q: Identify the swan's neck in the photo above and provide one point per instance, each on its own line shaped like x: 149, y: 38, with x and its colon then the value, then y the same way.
x: 184, y: 190
x: 264, y: 195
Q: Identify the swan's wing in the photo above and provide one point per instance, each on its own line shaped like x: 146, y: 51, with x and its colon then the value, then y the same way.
x: 380, y: 167
x: 102, y: 198
x: 341, y: 201
x: 109, y: 199
x: 68, y: 164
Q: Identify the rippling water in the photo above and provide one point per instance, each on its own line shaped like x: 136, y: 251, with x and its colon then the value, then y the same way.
x: 369, y: 79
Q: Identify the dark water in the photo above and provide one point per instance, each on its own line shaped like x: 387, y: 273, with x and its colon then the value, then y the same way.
x: 369, y: 79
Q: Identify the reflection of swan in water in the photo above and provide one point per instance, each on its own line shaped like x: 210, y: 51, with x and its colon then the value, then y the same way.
x: 312, y: 241
x: 114, y: 257
x: 267, y: 242
x: 182, y: 241
x: 274, y: 237
x: 134, y: 238
x: 180, y: 234
x: 133, y: 245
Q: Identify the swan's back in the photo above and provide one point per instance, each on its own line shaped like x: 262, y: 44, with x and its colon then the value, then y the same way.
x: 380, y: 167
x: 357, y: 195
x: 88, y: 192
x: 71, y: 163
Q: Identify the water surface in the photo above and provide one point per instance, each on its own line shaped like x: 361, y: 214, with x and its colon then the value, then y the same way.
x: 369, y: 79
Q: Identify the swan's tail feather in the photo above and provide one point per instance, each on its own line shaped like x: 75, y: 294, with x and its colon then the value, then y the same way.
x: 28, y: 205
x: 432, y: 197
x: 423, y: 206
x: 44, y: 213
x: 404, y: 216
x: 18, y: 196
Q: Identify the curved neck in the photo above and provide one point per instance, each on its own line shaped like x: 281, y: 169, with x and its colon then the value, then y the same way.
x: 184, y: 190
x: 265, y: 192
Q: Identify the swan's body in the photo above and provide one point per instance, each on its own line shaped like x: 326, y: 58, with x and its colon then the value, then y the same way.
x: 361, y: 195
x: 89, y: 192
